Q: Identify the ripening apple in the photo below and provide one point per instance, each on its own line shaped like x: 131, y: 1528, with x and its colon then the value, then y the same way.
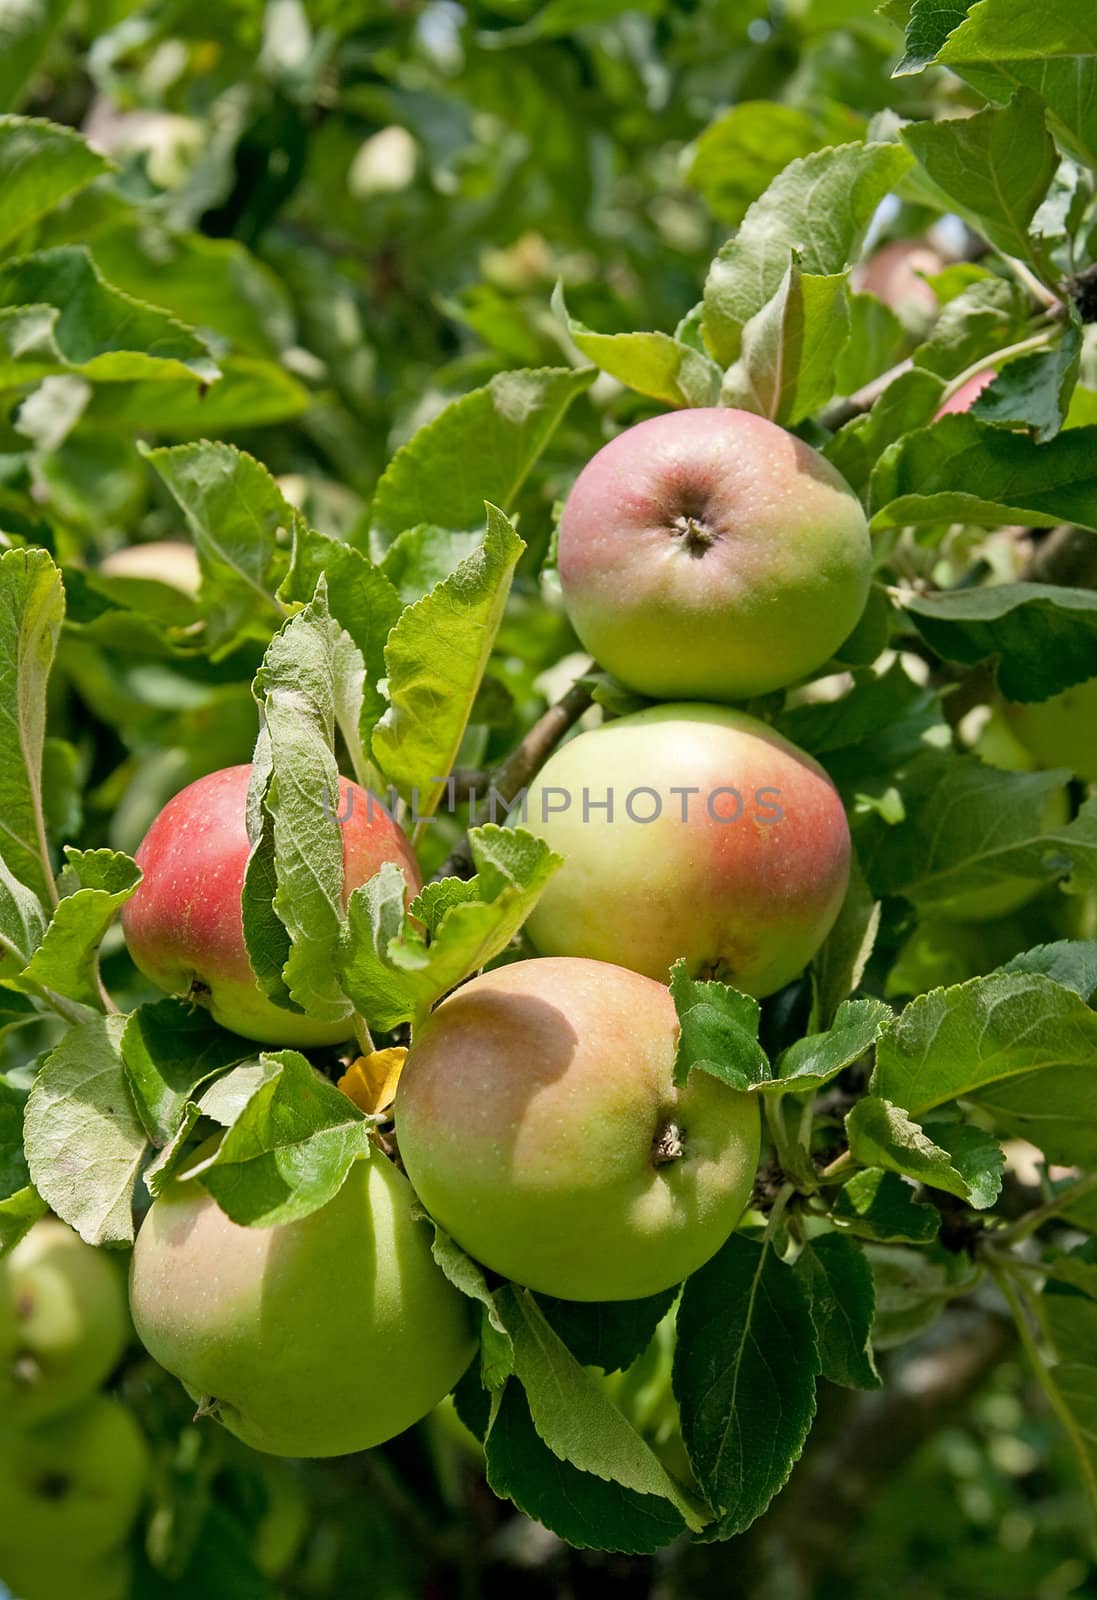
x: 64, y: 1324
x: 896, y: 273
x: 539, y: 1123
x: 73, y: 1485
x: 710, y: 555
x: 1061, y: 731
x: 312, y: 1338
x: 65, y: 1574
x: 167, y: 561
x: 727, y: 846
x: 184, y: 925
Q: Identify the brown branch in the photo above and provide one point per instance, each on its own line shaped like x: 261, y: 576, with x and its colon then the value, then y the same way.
x: 527, y: 758
x: 1066, y: 555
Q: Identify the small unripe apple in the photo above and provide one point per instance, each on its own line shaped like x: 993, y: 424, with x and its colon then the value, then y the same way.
x: 313, y: 1338
x: 966, y: 395
x: 71, y: 1485
x: 184, y: 925
x: 63, y: 1326
x: 897, y: 273
x: 540, y: 1125
x: 167, y: 561
x: 65, y: 1574
x: 727, y: 846
x: 1062, y: 731
x: 710, y: 555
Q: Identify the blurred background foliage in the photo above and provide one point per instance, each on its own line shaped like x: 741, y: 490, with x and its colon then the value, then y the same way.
x: 364, y: 208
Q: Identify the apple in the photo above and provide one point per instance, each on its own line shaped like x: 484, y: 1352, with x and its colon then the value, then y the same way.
x: 66, y: 1575
x: 966, y: 395
x: 70, y: 1488
x: 313, y: 1338
x: 710, y: 555
x: 896, y: 273
x: 1061, y: 731
x: 539, y: 1123
x: 64, y: 1326
x: 167, y: 561
x: 741, y: 873
x: 184, y: 925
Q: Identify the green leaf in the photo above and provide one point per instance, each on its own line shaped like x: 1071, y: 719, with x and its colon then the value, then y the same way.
x: 169, y: 1048
x: 654, y: 364
x: 882, y: 1135
x: 718, y: 1032
x: 95, y: 885
x: 586, y: 1511
x: 745, y: 1366
x: 1075, y: 1388
x: 968, y: 829
x: 878, y: 1205
x: 289, y: 1150
x: 27, y: 28
x: 961, y: 470
x: 839, y: 966
x: 611, y: 1336
x: 249, y: 393
x: 1035, y: 391
x: 57, y: 315
x: 958, y: 1042
x: 929, y: 25
x: 1070, y: 962
x: 41, y: 164
x: 32, y: 607
x: 813, y: 1061
x: 820, y: 206
x: 1040, y: 638
x: 393, y: 973
x: 995, y: 167
x: 85, y: 1142
x: 573, y: 1414
x: 436, y: 655
x: 363, y: 601
x: 420, y: 558
x: 1052, y: 49
x: 740, y: 154
x: 291, y: 808
x: 789, y: 350
x: 908, y: 403
x: 480, y: 448
x: 18, y: 1214
x: 240, y: 523
x: 838, y: 1282
x: 23, y: 923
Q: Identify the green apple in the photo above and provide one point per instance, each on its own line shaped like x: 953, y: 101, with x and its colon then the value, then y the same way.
x: 539, y: 1122
x: 184, y: 925
x: 64, y: 1326
x: 68, y: 1575
x: 741, y: 872
x: 167, y: 561
x: 314, y: 1338
x: 70, y: 1488
x: 710, y: 555
x: 1062, y: 731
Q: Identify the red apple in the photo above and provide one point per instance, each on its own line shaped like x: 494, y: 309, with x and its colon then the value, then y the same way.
x: 726, y: 845
x: 897, y: 273
x: 184, y: 925
x: 540, y: 1125
x: 711, y: 555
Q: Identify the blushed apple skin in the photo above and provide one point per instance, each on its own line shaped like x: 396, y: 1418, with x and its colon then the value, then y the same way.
x: 64, y: 1327
x: 531, y: 1115
x: 710, y: 555
x: 747, y: 901
x: 1062, y: 731
x: 314, y: 1338
x: 73, y: 1484
x: 184, y: 925
x: 896, y: 273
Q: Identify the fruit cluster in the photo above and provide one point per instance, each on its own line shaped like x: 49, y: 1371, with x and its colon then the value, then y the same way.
x: 73, y: 1462
x: 706, y: 556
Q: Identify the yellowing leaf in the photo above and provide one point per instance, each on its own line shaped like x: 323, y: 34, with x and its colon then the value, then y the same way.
x: 371, y: 1080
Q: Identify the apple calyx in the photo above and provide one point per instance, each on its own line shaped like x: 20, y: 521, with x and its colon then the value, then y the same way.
x: 694, y: 532
x: 669, y: 1145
